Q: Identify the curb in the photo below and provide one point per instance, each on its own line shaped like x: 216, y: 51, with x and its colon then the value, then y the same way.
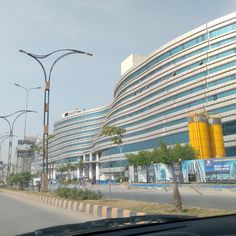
x: 87, y: 208
x: 200, y: 188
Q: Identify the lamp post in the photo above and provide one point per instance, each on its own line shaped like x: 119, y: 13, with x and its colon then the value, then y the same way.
x: 26, y: 106
x: 11, y: 127
x: 47, y: 79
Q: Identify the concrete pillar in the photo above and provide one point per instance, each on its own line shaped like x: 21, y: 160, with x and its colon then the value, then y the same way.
x: 49, y: 171
x: 78, y: 173
x: 97, y: 167
x: 53, y: 171
x: 84, y: 167
x: 90, y: 166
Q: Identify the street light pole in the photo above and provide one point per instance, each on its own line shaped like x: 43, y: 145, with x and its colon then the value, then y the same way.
x: 47, y: 79
x: 11, y: 127
x: 27, y: 99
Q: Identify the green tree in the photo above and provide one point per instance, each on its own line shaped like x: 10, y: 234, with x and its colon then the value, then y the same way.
x: 132, y: 159
x: 142, y: 158
x: 170, y: 156
x: 22, y: 180
x: 166, y: 155
x: 11, y: 180
x: 116, y: 135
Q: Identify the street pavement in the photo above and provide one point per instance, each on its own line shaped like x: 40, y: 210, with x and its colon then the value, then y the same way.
x: 19, y: 216
x: 190, y: 196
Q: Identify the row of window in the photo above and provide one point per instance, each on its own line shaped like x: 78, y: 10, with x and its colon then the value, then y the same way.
x: 72, y: 139
x: 82, y: 117
x: 80, y: 129
x: 181, y: 137
x: 113, y: 164
x: 100, y: 119
x: 177, y: 49
x: 229, y: 128
x: 168, y: 124
x: 173, y: 62
x: 192, y: 78
x: 191, y: 91
x: 91, y: 132
x: 84, y: 149
x: 67, y: 160
x: 227, y: 53
x: 230, y: 151
x: 178, y: 121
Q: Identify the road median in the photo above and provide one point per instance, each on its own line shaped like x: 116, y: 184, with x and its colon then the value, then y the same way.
x: 90, y: 207
x: 113, y: 208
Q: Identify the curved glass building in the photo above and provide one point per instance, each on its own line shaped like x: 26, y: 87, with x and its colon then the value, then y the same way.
x: 195, y: 71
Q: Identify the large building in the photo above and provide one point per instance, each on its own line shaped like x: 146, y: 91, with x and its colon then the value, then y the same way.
x: 195, y: 71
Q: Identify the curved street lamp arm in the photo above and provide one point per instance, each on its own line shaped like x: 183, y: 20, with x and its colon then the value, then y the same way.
x: 36, y: 58
x: 4, y: 136
x: 4, y: 139
x: 34, y: 88
x: 58, y: 59
x: 23, y: 112
x: 59, y: 50
x: 18, y: 85
x: 12, y: 114
x: 3, y: 117
x: 27, y: 90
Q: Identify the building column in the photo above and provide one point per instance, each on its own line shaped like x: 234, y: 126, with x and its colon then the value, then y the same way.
x: 49, y: 171
x: 90, y: 166
x: 84, y: 167
x: 78, y: 170
x: 97, y: 168
x: 53, y: 171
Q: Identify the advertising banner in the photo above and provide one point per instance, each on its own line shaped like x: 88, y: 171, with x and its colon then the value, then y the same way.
x: 142, y: 174
x: 150, y: 172
x: 162, y: 173
x: 220, y: 169
x: 209, y: 170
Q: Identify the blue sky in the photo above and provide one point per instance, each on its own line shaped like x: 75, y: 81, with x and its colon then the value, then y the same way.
x: 109, y: 29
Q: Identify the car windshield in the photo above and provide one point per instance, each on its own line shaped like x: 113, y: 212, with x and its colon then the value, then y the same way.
x: 113, y: 109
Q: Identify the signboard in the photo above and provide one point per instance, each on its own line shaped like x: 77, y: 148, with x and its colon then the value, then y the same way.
x: 142, y: 174
x: 162, y: 172
x: 220, y: 169
x: 210, y: 170
x: 25, y: 148
x: 150, y: 173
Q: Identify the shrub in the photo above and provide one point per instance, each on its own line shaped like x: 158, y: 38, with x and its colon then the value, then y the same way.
x: 78, y: 194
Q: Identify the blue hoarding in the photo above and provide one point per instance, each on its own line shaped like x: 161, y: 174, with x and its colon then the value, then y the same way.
x: 210, y: 170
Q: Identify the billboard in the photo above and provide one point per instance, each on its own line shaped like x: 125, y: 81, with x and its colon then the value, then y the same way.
x: 162, y: 173
x: 210, y: 170
x: 220, y: 169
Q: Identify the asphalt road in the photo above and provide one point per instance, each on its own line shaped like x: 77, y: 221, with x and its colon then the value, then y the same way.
x: 190, y: 197
x: 22, y: 216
